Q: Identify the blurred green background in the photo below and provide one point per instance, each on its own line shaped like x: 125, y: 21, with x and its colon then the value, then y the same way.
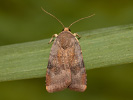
x: 24, y: 21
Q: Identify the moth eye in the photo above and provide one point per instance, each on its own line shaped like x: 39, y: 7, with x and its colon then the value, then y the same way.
x: 69, y: 30
x: 62, y: 29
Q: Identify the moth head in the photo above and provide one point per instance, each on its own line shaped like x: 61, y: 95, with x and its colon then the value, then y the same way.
x: 66, y: 29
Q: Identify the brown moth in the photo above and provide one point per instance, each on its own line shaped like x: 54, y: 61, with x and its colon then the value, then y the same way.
x: 65, y: 66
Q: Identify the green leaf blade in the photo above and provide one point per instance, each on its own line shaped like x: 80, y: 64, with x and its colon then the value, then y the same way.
x: 100, y: 48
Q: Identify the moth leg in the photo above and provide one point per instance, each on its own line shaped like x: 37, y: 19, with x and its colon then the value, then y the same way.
x: 55, y: 35
x: 75, y: 34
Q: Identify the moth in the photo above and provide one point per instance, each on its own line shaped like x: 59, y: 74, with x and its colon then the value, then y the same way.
x: 66, y: 67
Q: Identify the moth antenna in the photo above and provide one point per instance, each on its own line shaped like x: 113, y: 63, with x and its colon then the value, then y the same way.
x: 81, y: 19
x: 53, y: 17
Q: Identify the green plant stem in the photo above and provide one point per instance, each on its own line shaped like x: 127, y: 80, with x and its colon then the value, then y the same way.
x: 101, y: 48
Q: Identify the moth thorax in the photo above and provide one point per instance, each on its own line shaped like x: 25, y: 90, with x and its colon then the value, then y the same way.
x: 66, y: 29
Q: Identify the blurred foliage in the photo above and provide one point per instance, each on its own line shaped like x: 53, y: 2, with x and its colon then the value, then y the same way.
x: 23, y: 20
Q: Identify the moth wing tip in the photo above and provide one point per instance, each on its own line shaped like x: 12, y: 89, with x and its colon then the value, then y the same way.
x: 84, y: 88
x: 80, y: 88
x: 48, y: 89
x: 55, y: 88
